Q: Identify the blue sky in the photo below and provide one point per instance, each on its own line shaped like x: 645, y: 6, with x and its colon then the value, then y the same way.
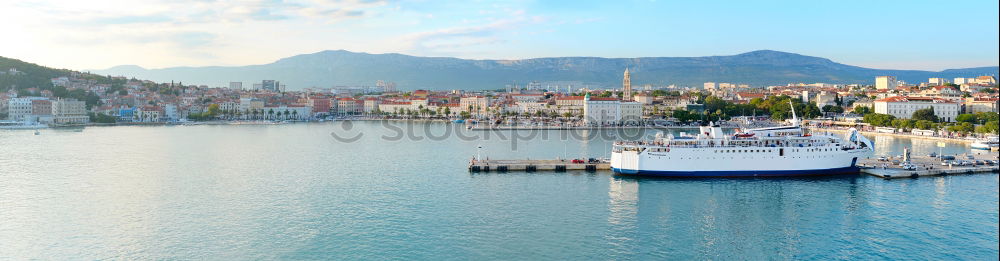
x: 925, y: 35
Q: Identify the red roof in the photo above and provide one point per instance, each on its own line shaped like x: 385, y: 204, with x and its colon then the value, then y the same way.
x: 913, y: 99
x: 603, y: 99
x: 570, y: 98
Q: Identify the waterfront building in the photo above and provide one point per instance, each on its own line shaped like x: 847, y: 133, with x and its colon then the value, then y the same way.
x: 371, y: 104
x: 171, y: 113
x: 286, y: 113
x: 21, y: 109
x: 419, y: 103
x: 41, y: 107
x: 532, y: 107
x: 250, y: 104
x: 349, y: 106
x: 69, y: 111
x: 709, y: 86
x: 601, y: 111
x: 903, y: 107
x: 476, y: 105
x: 125, y: 114
x: 631, y: 112
x: 147, y: 114
x: 398, y: 107
x: 885, y: 82
x: 229, y: 107
x: 320, y: 104
x: 570, y: 104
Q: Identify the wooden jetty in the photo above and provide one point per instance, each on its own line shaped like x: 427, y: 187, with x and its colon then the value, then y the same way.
x: 536, y: 165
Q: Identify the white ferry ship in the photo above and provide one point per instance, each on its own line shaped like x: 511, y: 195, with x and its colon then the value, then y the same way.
x: 774, y: 151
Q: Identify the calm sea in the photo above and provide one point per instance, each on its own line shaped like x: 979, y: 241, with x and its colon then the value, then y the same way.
x: 402, y: 191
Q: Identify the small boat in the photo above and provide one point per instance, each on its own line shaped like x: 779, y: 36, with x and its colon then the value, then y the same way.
x: 459, y: 121
x: 37, y: 132
x: 986, y: 144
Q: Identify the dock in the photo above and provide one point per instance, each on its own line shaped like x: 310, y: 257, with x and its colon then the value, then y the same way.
x: 928, y: 166
x: 536, y: 165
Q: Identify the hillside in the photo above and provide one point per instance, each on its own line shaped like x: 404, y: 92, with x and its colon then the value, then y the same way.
x: 28, y: 75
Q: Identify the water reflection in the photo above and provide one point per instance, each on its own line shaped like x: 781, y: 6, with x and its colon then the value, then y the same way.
x: 735, y: 218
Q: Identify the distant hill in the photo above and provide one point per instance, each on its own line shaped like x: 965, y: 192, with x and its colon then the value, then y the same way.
x: 329, y: 68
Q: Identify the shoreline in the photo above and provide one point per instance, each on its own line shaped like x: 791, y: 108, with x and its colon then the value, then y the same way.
x: 963, y: 140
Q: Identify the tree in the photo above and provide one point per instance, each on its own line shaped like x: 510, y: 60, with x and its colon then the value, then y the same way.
x: 990, y: 127
x: 963, y: 127
x: 985, y: 117
x: 862, y: 110
x: 833, y: 109
x: 213, y: 110
x: 878, y: 119
x: 925, y: 114
x: 925, y: 125
x: 970, y: 118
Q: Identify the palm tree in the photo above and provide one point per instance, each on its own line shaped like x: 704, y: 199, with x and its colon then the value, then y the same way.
x: 270, y: 114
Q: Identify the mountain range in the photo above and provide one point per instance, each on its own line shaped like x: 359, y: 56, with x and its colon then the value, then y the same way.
x: 344, y: 68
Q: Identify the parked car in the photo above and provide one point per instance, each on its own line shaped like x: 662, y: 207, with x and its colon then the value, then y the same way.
x: 947, y: 157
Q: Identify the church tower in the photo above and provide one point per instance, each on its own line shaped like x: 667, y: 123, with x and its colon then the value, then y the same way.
x: 627, y: 87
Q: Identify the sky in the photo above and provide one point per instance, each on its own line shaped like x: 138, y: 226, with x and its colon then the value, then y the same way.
x: 97, y: 34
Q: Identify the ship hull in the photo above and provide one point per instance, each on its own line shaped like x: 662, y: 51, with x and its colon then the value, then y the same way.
x: 739, y: 162
x: 739, y: 173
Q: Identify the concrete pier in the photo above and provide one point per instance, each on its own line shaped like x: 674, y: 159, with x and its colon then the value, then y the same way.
x: 925, y: 166
x: 536, y: 165
x: 928, y: 166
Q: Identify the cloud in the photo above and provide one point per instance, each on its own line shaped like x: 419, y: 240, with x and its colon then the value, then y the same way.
x: 131, y: 19
x: 462, y: 36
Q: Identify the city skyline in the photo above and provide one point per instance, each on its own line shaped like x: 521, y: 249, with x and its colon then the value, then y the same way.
x: 158, y: 34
